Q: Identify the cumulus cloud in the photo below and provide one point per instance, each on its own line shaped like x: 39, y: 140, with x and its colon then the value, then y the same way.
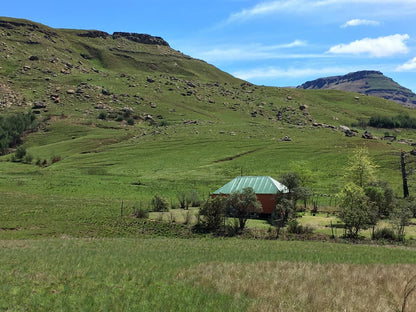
x: 378, y: 47
x: 409, y: 65
x: 359, y: 22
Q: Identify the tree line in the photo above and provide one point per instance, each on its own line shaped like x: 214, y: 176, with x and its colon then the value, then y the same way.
x: 398, y: 121
x: 13, y: 127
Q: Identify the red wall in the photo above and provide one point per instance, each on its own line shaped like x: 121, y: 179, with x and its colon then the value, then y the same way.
x: 268, y: 202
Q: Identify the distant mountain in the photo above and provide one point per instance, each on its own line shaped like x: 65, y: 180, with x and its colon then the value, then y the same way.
x: 366, y: 82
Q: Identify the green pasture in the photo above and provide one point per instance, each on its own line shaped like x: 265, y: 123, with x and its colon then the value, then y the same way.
x: 142, y: 274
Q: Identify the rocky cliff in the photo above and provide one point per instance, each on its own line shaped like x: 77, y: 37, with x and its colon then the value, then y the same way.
x: 366, y: 82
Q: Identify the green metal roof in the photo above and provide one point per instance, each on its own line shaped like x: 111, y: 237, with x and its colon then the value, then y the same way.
x: 260, y: 185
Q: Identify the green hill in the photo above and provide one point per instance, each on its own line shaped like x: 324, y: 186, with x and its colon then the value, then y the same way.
x: 367, y: 82
x: 123, y: 117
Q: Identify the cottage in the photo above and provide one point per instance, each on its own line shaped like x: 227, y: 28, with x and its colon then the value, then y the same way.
x: 265, y: 188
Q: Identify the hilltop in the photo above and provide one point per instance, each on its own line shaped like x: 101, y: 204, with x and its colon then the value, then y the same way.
x: 366, y: 82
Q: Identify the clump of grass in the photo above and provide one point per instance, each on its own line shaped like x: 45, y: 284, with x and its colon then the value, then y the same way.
x: 285, y: 286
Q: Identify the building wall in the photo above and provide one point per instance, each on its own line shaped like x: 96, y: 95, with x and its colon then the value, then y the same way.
x: 268, y: 202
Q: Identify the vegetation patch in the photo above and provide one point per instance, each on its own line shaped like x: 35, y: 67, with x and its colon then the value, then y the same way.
x: 287, y: 286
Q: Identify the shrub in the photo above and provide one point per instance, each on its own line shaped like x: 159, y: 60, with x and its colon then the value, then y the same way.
x: 159, y: 204
x: 140, y: 213
x: 55, y: 159
x: 194, y: 199
x: 102, y: 115
x: 212, y: 214
x: 384, y: 234
x: 294, y: 227
x: 119, y: 118
x: 27, y: 159
x: 20, y: 153
x: 130, y: 121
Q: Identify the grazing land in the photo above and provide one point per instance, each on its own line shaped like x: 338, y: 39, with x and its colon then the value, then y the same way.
x: 122, y: 118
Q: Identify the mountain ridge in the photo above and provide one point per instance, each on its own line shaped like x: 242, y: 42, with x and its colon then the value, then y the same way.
x: 368, y: 82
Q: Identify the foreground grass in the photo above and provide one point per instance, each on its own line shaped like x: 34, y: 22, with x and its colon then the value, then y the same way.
x: 172, y: 274
x: 286, y: 286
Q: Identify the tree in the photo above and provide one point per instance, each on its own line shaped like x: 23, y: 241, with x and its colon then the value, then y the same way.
x: 400, y: 218
x: 296, y: 190
x: 290, y: 180
x: 242, y: 204
x: 212, y: 213
x: 282, y: 213
x: 361, y: 169
x: 355, y: 212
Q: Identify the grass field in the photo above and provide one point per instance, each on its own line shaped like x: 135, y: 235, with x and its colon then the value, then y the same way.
x: 67, y: 274
x: 136, y: 120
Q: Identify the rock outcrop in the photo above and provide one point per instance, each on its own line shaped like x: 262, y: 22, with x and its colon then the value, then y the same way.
x: 366, y: 82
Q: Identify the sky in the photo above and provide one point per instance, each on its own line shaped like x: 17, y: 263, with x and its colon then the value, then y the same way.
x: 274, y: 43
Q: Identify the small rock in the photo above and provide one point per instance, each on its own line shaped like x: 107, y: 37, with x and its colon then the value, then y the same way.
x: 70, y: 91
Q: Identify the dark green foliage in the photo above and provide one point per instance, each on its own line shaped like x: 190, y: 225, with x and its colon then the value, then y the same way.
x: 398, y: 121
x: 20, y: 152
x: 282, y: 213
x: 102, y: 115
x: 384, y: 234
x: 12, y: 128
x: 242, y: 205
x: 212, y: 214
x: 159, y: 203
x: 130, y: 121
x: 291, y: 180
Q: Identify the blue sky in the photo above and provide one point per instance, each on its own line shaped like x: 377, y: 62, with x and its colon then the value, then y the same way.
x: 275, y: 43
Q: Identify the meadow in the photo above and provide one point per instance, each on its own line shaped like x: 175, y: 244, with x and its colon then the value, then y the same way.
x: 124, y: 121
x: 66, y: 274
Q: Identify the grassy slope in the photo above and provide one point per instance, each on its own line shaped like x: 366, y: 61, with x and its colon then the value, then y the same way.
x: 105, y: 162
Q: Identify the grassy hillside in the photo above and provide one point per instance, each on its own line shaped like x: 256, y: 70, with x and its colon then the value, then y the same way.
x: 121, y: 121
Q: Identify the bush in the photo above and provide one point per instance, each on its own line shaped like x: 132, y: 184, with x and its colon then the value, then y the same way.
x: 27, y: 159
x: 102, y: 115
x: 212, y: 214
x: 294, y: 227
x: 130, y: 121
x: 140, y: 213
x: 159, y: 204
x: 384, y: 234
x: 20, y: 152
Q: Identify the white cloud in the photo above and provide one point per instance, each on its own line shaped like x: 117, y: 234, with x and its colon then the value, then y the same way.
x: 250, y: 52
x: 359, y: 22
x: 395, y: 7
x: 378, y: 47
x: 273, y: 72
x: 409, y: 65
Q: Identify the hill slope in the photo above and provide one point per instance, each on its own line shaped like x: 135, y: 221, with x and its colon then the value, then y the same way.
x: 124, y: 117
x: 366, y: 82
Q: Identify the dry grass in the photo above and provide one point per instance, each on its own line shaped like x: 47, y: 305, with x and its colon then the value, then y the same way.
x: 285, y: 286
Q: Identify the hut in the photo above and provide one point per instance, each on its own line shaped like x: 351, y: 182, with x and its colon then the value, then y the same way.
x: 266, y: 189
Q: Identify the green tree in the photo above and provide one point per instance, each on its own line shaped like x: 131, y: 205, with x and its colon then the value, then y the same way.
x: 297, y: 191
x: 400, y: 218
x: 242, y: 204
x: 354, y: 209
x: 360, y: 169
x: 212, y: 213
x: 282, y: 213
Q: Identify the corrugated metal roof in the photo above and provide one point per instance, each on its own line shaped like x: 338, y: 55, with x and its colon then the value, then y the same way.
x: 260, y: 185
